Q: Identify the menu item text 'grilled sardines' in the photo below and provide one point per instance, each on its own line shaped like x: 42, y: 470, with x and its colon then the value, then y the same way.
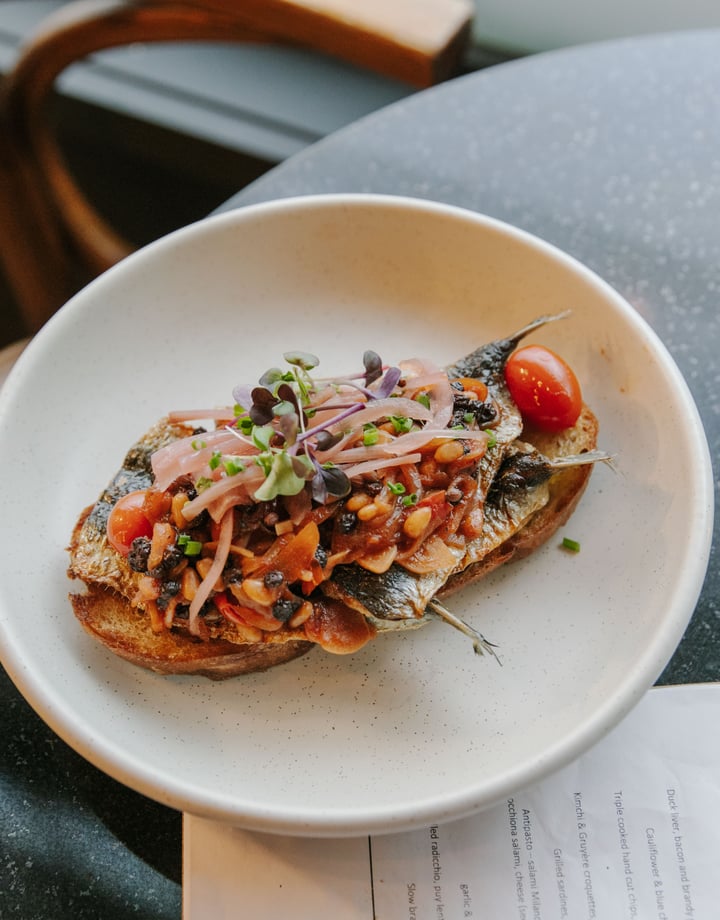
x: 325, y: 511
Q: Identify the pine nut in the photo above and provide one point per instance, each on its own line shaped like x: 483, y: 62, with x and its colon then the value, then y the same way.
x: 247, y: 633
x: 256, y: 590
x: 417, y: 521
x: 179, y: 500
x: 357, y: 501
x: 368, y: 512
x: 302, y: 614
x: 203, y: 567
x: 449, y: 452
x: 189, y: 583
x: 379, y: 562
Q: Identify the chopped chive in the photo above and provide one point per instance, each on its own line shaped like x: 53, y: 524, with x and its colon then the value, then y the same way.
x: 232, y: 467
x: 371, y: 435
x: 401, y: 423
x: 193, y: 548
x: 410, y: 499
x: 214, y: 461
x: 468, y: 418
x: 197, y: 444
x: 203, y: 483
x: 397, y: 488
x: 492, y: 440
x: 572, y: 545
x: 423, y: 399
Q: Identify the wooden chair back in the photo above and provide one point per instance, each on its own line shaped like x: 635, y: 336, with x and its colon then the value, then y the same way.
x: 52, y: 240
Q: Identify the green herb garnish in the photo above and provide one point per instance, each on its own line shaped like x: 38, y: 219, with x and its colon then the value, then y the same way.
x: 371, y: 435
x: 232, y: 467
x: 571, y: 545
x: 261, y: 435
x: 401, y: 423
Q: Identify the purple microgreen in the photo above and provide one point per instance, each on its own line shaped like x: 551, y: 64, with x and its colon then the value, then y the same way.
x: 373, y: 367
x: 330, y: 482
x: 325, y: 440
x: 301, y: 359
x: 286, y: 393
x: 263, y: 403
x: 303, y: 467
x: 242, y: 394
x: 288, y: 425
x: 388, y: 382
x: 351, y: 410
x: 318, y: 488
x: 270, y: 377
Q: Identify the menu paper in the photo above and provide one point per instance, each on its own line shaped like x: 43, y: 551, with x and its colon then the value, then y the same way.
x: 629, y: 831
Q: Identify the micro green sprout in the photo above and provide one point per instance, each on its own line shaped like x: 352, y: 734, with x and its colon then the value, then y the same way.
x: 276, y: 424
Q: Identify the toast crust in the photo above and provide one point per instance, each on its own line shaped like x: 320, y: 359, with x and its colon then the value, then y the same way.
x: 108, y: 617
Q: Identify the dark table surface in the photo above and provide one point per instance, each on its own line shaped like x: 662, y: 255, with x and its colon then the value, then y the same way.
x: 610, y: 151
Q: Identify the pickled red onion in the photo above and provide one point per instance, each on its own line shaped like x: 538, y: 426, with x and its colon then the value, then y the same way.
x: 222, y: 552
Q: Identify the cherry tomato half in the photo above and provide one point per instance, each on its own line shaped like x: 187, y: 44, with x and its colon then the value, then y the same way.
x: 127, y: 521
x: 544, y: 388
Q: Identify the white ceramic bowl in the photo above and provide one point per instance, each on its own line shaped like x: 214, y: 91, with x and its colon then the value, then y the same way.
x: 413, y: 729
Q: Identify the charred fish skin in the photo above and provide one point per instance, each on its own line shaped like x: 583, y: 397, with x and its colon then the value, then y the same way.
x: 398, y: 598
x: 390, y: 599
x: 94, y: 558
x: 487, y: 363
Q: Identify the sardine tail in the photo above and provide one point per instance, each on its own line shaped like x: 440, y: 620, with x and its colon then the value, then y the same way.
x: 481, y: 645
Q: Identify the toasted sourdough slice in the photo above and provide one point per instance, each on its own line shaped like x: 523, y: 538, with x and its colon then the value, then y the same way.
x: 108, y: 616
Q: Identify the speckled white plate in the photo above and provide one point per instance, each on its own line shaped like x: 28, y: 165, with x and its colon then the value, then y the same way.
x: 413, y: 729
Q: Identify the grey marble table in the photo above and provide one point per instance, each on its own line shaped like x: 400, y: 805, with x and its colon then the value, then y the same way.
x: 610, y: 151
